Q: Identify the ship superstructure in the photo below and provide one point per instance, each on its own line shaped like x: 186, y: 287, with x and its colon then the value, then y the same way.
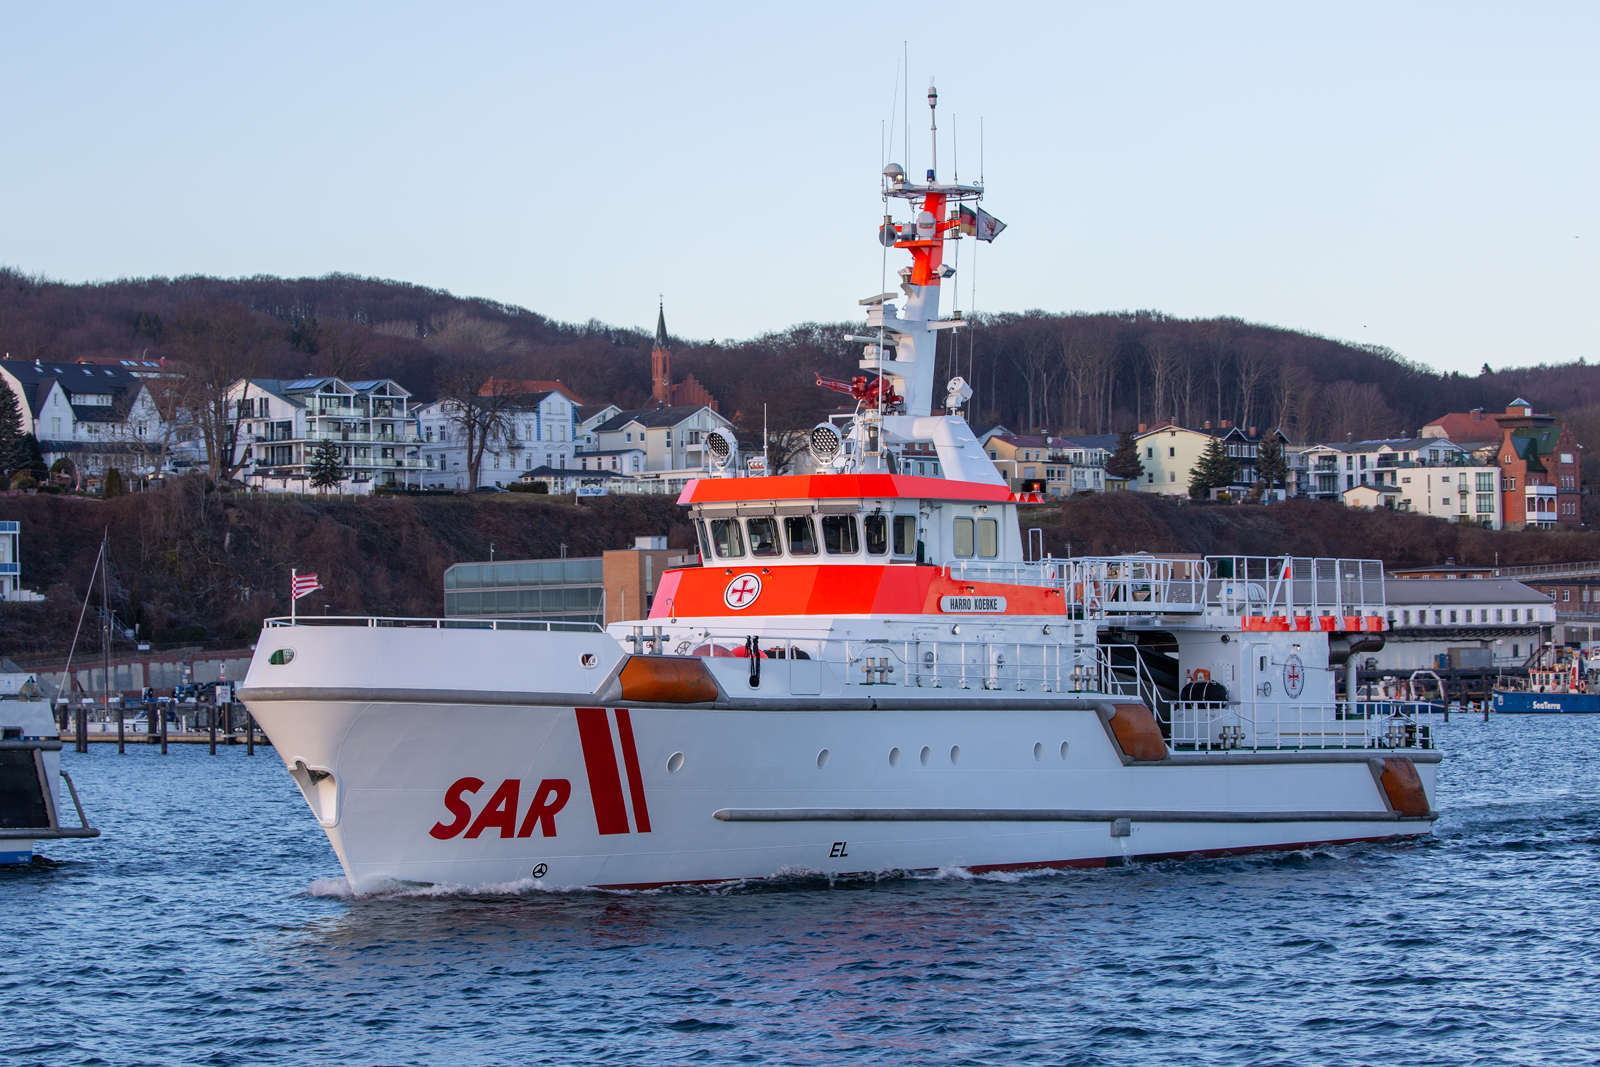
x: 868, y: 671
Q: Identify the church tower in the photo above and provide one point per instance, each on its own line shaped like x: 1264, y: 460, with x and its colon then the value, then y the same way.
x: 661, y: 364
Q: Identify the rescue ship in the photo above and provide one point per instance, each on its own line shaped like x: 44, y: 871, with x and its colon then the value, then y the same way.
x: 868, y: 672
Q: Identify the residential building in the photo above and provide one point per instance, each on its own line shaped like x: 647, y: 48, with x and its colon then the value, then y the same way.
x: 1170, y: 453
x: 687, y: 393
x: 1430, y: 616
x: 630, y: 461
x: 541, y: 431
x: 1533, y: 451
x: 1331, y: 469
x: 673, y: 438
x: 1429, y: 476
x: 281, y: 424
x: 1057, y: 466
x: 1577, y: 604
x: 97, y: 417
x: 10, y: 560
x: 589, y: 417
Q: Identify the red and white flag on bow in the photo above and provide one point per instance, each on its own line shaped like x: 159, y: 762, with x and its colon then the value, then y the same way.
x: 303, y: 584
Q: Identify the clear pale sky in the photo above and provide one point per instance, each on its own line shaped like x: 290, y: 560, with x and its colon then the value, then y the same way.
x: 1421, y: 176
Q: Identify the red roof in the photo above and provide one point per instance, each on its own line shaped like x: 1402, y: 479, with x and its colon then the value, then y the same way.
x: 1468, y: 425
x: 858, y: 486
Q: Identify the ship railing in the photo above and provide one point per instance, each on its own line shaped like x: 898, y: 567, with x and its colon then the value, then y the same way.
x: 458, y: 623
x: 1193, y: 725
x: 1289, y: 586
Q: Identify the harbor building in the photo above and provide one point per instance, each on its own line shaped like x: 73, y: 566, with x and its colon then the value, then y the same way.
x: 613, y: 587
x: 1430, y: 617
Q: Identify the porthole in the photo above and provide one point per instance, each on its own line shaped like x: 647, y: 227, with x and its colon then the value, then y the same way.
x: 675, y: 763
x: 281, y: 656
x: 894, y: 757
x: 590, y: 659
x: 1063, y: 750
x: 925, y: 755
x: 1038, y: 751
x: 822, y: 759
x: 955, y: 754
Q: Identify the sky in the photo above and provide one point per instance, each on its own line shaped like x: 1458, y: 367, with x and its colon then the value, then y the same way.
x: 1415, y: 175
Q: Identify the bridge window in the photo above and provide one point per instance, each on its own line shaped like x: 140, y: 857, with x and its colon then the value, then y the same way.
x: 801, y: 535
x: 963, y: 538
x: 905, y: 535
x: 876, y: 528
x: 727, y: 537
x: 839, y: 535
x: 988, y: 538
x: 764, y: 538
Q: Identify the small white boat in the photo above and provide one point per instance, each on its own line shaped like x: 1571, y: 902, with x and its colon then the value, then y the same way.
x: 30, y: 782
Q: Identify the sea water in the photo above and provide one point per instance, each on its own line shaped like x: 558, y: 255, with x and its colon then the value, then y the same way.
x: 210, y: 925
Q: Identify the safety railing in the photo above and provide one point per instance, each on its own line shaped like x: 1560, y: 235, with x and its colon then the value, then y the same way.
x: 435, y: 624
x: 1255, y: 725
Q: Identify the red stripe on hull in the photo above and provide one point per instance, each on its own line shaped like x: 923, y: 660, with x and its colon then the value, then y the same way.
x: 600, y: 762
x: 630, y: 761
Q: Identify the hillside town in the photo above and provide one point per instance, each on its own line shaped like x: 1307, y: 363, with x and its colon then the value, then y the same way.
x: 102, y: 420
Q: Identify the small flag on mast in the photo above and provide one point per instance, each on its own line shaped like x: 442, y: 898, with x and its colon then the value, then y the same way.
x: 304, y: 584
x: 966, y: 221
x: 989, y: 227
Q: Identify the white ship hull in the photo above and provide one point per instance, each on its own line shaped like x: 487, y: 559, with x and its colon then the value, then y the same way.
x: 653, y: 795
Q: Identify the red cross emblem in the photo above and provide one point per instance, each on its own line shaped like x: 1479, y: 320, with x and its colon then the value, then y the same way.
x: 1294, y: 678
x: 742, y: 591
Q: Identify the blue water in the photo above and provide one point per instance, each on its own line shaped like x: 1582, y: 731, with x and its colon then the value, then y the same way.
x: 207, y: 926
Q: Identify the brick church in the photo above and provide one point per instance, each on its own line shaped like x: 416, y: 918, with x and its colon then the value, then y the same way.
x: 687, y: 393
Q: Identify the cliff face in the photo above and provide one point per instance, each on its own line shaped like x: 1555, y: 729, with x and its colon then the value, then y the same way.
x: 192, y: 566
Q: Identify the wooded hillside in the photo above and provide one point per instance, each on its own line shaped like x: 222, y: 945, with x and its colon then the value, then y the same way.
x: 1088, y: 373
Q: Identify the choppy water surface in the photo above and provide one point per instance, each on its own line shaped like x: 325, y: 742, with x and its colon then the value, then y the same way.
x: 207, y: 926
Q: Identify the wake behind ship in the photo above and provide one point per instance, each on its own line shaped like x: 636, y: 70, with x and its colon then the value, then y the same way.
x: 867, y: 672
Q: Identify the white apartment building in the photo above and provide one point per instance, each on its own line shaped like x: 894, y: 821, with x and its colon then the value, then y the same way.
x: 281, y: 423
x: 541, y: 432
x: 96, y: 416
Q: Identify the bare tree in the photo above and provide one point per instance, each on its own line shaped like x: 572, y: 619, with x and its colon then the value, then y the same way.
x: 1161, y: 357
x: 342, y: 348
x: 1292, y: 392
x: 1253, y: 364
x: 1035, y: 359
x: 215, y: 345
x: 479, y: 405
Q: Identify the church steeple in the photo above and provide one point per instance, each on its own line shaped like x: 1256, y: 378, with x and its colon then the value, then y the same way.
x: 661, y: 363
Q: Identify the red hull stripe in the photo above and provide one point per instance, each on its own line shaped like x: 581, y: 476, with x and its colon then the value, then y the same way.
x: 600, y: 762
x: 630, y: 760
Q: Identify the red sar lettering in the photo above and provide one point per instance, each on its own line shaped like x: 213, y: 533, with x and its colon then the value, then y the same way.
x: 501, y: 810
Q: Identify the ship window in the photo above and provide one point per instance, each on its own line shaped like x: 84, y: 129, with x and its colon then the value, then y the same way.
x: 801, y: 535
x: 876, y: 528
x: 963, y: 538
x: 905, y: 535
x: 764, y: 538
x: 839, y: 535
x: 988, y: 538
x: 705, y: 542
x: 726, y: 537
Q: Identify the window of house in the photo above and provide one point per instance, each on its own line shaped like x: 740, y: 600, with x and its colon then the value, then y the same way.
x: 1149, y: 479
x: 964, y: 538
x: 905, y: 535
x: 727, y: 538
x: 1149, y: 453
x: 1172, y: 453
x: 1514, y: 615
x: 764, y: 537
x: 876, y: 529
x: 801, y: 535
x: 839, y: 535
x: 1172, y: 476
x: 1566, y: 594
x: 1452, y: 616
x: 1438, y: 617
x: 1499, y: 614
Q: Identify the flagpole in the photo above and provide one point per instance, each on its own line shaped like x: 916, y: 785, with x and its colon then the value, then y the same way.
x: 293, y: 574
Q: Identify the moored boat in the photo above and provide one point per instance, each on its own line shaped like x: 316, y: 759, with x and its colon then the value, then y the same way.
x: 30, y: 781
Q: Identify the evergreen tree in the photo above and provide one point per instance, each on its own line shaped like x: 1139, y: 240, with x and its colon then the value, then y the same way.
x: 1124, y: 462
x: 1214, y: 470
x: 1271, y: 464
x: 15, y: 452
x: 113, y: 484
x: 326, y: 471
